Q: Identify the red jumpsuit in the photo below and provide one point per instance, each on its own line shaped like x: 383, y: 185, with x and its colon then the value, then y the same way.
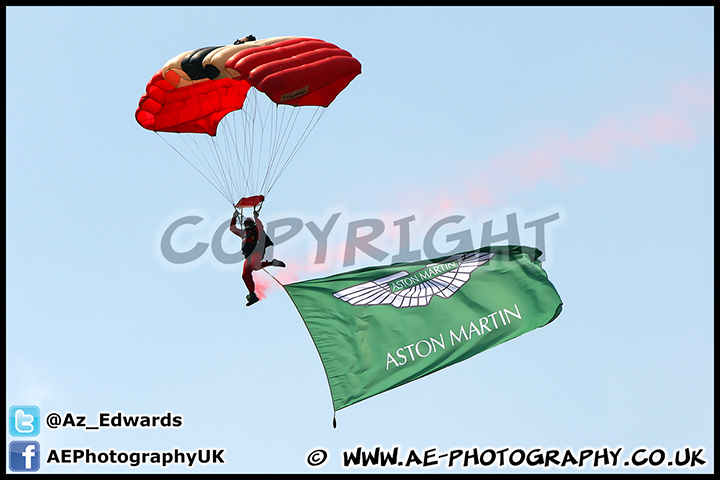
x: 253, y: 254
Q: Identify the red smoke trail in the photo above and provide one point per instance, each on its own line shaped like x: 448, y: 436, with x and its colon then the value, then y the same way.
x: 685, y: 118
x: 262, y: 284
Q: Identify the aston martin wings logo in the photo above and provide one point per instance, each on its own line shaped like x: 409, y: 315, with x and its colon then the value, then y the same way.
x: 403, y: 289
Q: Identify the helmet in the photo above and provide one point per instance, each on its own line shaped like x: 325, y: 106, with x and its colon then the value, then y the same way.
x: 249, y: 222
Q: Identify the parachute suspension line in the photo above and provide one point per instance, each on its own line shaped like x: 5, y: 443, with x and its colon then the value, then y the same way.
x: 212, y: 161
x: 317, y: 115
x: 229, y: 157
x: 247, y: 146
x: 278, y: 128
x: 281, y: 128
x: 241, y: 174
x: 223, y: 175
x: 252, y: 164
x: 241, y: 121
x: 253, y: 128
x: 270, y: 122
x: 261, y: 129
x: 224, y: 194
x: 284, y: 129
x: 192, y: 145
x: 223, y: 155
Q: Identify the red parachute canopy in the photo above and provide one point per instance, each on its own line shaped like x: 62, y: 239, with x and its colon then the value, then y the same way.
x: 195, y: 90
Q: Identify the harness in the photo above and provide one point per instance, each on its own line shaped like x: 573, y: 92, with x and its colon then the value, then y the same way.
x: 251, y: 240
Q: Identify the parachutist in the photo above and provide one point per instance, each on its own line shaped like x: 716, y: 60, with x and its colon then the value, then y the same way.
x: 254, y: 244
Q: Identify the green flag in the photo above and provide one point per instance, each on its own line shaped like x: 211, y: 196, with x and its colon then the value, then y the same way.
x: 380, y: 327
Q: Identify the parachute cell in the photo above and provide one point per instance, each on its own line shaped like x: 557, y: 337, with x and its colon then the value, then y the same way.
x: 300, y: 71
x: 195, y: 108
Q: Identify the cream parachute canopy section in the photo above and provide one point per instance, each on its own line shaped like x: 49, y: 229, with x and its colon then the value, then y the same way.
x: 239, y: 113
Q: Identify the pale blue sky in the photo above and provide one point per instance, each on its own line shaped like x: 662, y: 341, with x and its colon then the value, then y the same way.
x: 604, y: 116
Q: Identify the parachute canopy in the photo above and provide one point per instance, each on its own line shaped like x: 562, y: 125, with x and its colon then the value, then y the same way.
x: 194, y: 91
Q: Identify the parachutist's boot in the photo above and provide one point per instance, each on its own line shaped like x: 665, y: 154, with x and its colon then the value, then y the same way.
x: 277, y: 263
x: 252, y: 298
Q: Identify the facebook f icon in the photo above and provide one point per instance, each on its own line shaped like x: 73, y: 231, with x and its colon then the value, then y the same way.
x: 24, y: 421
x: 24, y: 456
